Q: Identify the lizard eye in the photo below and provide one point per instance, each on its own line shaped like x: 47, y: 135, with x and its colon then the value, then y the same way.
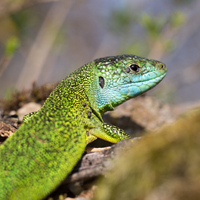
x: 101, y: 82
x: 135, y: 67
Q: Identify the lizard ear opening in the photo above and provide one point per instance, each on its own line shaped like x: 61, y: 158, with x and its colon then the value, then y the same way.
x: 101, y: 82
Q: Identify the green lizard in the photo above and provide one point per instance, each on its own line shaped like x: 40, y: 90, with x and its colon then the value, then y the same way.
x: 44, y: 150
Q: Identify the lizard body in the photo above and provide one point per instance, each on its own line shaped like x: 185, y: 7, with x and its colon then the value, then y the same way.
x: 44, y: 150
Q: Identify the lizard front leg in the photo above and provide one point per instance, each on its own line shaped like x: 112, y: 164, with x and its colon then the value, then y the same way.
x: 106, y: 132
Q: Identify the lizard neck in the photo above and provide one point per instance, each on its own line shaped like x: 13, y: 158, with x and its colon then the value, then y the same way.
x: 98, y: 102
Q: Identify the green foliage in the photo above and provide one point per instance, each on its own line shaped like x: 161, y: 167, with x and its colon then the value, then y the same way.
x: 120, y: 20
x: 153, y: 25
x: 25, y: 20
x: 177, y: 19
x: 137, y: 48
x: 156, y: 26
x: 151, y: 29
x: 11, y: 45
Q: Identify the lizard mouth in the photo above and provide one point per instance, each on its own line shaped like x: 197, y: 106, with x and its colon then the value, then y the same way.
x: 129, y: 90
x: 156, y: 79
x: 143, y: 81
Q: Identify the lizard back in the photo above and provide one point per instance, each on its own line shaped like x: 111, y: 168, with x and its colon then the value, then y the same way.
x: 40, y: 154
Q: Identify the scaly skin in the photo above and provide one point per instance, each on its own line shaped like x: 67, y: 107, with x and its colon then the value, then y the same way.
x: 44, y: 150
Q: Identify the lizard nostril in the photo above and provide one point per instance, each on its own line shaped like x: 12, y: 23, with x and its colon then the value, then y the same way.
x: 162, y: 66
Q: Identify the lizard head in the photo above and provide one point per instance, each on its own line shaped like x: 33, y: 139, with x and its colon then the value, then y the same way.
x: 123, y: 77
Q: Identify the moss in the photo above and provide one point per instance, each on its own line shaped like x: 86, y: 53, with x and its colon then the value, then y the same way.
x: 17, y: 99
x: 160, y: 166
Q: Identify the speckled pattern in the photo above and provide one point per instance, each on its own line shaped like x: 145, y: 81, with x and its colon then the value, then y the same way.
x: 44, y: 150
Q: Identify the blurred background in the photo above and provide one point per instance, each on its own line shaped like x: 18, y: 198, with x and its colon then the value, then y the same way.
x: 42, y: 41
